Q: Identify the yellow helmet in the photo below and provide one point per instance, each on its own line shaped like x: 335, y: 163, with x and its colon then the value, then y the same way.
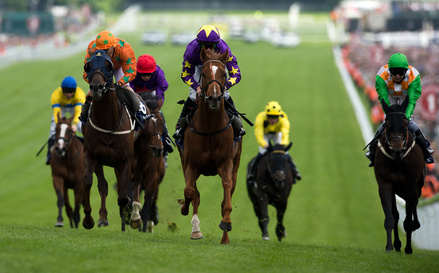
x: 273, y: 109
x: 105, y: 39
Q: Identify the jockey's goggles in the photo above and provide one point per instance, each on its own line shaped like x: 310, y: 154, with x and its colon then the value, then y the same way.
x: 398, y: 71
x: 68, y: 90
x: 207, y: 45
x: 272, y: 116
x: 145, y: 74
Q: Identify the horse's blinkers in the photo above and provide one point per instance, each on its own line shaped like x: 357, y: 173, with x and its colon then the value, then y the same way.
x: 100, y: 63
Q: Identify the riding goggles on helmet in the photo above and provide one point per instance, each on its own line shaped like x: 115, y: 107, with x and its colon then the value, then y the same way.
x: 398, y: 71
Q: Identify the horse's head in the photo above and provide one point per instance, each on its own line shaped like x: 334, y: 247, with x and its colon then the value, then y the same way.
x: 396, y: 128
x: 213, y: 77
x: 99, y: 71
x: 64, y: 135
x: 158, y: 122
x: 278, y: 164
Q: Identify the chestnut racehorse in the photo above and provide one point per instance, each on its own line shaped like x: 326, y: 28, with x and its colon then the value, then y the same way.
x: 67, y: 164
x: 209, y: 147
x: 399, y: 170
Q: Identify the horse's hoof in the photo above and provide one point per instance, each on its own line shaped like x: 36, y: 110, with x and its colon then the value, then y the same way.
x: 180, y: 202
x: 136, y: 223
x: 196, y: 235
x: 225, y: 226
x: 265, y: 238
x: 103, y: 223
x: 150, y: 226
x: 59, y: 224
x: 89, y: 224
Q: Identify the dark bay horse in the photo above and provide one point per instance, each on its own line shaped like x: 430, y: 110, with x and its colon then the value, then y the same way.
x: 154, y: 171
x: 399, y: 170
x: 109, y: 138
x: 273, y: 182
x: 67, y: 166
x: 209, y: 146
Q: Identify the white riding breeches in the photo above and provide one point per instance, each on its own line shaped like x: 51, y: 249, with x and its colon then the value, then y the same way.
x: 276, y: 138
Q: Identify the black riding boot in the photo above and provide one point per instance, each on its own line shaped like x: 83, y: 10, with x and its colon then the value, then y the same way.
x: 181, y: 124
x: 84, y: 112
x: 229, y: 105
x: 425, y: 145
x: 294, y: 168
x: 50, y: 143
x: 252, y: 170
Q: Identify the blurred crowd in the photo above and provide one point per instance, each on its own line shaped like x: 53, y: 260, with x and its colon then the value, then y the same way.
x: 363, y: 59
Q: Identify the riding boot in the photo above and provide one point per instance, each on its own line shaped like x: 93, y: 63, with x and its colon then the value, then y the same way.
x: 50, y: 143
x: 84, y: 112
x: 294, y: 168
x: 425, y: 145
x: 166, y: 138
x: 237, y: 120
x: 181, y: 124
x: 251, y: 176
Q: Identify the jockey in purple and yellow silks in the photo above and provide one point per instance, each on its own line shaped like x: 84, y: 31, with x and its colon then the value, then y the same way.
x: 208, y: 37
x: 393, y: 83
x: 271, y: 125
x: 68, y: 98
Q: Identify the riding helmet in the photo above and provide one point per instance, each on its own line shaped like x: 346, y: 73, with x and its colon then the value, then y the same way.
x: 208, y: 34
x: 273, y: 109
x: 146, y: 64
x: 68, y: 82
x: 105, y: 40
x: 398, y: 60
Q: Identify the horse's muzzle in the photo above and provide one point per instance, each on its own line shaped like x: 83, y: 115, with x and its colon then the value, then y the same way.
x: 214, y: 102
x: 97, y: 91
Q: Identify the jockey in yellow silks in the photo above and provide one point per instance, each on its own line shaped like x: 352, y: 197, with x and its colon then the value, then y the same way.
x: 272, y: 125
x: 68, y: 98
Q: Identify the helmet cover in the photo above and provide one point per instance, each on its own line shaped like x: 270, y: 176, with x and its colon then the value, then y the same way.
x: 398, y: 60
x: 146, y: 64
x: 273, y: 109
x: 105, y: 40
x: 208, y: 34
x: 68, y: 82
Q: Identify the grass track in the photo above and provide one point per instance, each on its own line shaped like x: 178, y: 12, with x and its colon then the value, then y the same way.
x: 334, y: 219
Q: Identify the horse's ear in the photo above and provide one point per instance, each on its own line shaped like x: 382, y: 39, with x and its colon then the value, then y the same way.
x: 110, y: 51
x: 405, y: 103
x: 203, y: 55
x: 288, y: 146
x: 225, y: 56
x: 386, y: 107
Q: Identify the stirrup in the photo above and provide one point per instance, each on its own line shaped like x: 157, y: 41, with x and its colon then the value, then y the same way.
x: 177, y: 135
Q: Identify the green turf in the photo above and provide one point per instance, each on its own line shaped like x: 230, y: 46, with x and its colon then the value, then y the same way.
x: 334, y: 220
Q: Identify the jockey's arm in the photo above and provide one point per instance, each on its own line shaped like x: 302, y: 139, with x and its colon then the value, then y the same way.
x: 413, y: 92
x: 381, y: 88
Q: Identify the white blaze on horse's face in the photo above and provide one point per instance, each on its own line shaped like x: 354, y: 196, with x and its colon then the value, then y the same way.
x: 62, y: 135
x: 214, y: 70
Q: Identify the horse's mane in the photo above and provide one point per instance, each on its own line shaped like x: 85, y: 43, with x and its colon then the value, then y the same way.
x: 150, y: 100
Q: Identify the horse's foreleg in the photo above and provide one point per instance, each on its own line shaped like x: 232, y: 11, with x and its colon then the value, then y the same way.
x: 226, y: 205
x: 87, y: 179
x: 395, y: 213
x: 385, y: 192
x: 103, y: 192
x: 196, y: 231
x: 69, y: 210
x: 191, y: 193
x: 409, y: 222
x: 280, y: 229
x: 79, y: 195
x: 60, y: 200
x: 123, y: 172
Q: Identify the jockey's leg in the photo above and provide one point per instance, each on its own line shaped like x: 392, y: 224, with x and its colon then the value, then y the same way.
x: 189, y: 104
x: 294, y: 167
x: 370, y: 154
x: 251, y: 176
x: 166, y: 138
x: 422, y: 141
x: 50, y: 144
x: 237, y: 120
x: 85, y: 107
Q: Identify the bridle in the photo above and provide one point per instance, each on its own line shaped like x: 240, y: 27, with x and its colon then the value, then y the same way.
x: 67, y: 141
x: 222, y: 87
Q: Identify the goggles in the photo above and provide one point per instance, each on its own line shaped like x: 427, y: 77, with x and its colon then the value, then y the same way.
x: 398, y: 71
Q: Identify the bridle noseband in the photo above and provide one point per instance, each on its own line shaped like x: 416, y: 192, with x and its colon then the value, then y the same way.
x: 398, y: 137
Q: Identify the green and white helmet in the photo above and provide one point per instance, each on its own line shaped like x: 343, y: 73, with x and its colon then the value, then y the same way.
x: 398, y: 60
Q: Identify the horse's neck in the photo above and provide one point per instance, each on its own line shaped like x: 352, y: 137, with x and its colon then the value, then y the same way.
x: 107, y: 109
x: 211, y: 118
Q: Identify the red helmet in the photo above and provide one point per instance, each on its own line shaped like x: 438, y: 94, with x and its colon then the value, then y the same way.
x: 146, y: 64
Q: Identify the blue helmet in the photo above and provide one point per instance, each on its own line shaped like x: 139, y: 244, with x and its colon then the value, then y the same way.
x: 208, y: 34
x: 69, y: 82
